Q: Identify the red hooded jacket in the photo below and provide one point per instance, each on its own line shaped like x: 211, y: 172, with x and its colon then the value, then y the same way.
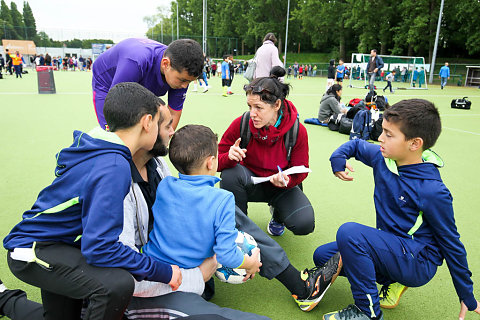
x: 266, y: 148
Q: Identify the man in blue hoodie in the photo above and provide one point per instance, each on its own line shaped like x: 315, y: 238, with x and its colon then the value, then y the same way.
x: 67, y: 243
x: 415, y: 222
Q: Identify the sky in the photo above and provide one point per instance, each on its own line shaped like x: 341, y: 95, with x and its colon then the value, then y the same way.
x: 83, y: 19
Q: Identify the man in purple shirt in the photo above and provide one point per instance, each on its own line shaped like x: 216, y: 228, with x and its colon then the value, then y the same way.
x: 157, y: 67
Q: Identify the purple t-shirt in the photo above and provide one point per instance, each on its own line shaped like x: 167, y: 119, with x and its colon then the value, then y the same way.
x: 135, y: 60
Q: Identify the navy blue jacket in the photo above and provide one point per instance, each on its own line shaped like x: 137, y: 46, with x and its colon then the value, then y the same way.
x: 411, y: 201
x: 83, y: 207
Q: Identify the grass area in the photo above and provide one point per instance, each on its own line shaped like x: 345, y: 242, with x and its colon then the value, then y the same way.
x: 35, y: 127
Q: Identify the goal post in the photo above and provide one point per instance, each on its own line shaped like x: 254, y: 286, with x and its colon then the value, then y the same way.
x: 410, y: 72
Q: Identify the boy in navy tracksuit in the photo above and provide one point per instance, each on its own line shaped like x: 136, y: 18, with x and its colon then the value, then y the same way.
x: 67, y: 243
x: 415, y: 221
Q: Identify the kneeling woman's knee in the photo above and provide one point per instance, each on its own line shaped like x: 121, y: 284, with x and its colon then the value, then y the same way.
x: 235, y: 176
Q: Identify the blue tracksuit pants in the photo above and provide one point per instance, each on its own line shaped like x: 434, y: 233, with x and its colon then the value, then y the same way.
x: 370, y: 255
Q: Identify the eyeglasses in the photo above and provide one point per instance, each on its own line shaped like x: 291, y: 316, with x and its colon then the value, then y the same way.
x: 256, y: 89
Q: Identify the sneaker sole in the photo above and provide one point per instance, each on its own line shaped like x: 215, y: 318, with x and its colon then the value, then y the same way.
x: 398, y: 301
x: 317, y: 301
x: 275, y: 235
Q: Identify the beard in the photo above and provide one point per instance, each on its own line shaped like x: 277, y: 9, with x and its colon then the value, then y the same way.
x: 160, y: 148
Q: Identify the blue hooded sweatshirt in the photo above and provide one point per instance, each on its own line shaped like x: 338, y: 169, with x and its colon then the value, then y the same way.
x: 193, y: 220
x: 83, y: 207
x: 411, y: 201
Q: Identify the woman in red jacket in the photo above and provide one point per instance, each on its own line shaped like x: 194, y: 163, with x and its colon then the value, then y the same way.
x: 271, y: 117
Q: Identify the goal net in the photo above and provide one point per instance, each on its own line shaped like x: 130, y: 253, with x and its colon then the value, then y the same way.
x: 410, y: 72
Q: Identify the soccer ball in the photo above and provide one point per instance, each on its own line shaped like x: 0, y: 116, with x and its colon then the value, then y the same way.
x: 246, y: 243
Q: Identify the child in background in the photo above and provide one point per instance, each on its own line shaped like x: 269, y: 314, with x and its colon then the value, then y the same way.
x: 415, y: 221
x: 340, y: 72
x: 389, y: 79
x: 225, y: 75
x: 193, y: 220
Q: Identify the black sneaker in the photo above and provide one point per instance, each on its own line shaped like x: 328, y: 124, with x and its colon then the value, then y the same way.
x: 318, y: 280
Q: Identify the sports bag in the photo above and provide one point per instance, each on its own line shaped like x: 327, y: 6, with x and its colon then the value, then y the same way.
x: 334, y: 122
x: 461, y: 103
x: 252, y: 65
x: 345, y: 125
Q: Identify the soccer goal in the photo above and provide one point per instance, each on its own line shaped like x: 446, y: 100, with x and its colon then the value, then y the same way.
x: 410, y: 72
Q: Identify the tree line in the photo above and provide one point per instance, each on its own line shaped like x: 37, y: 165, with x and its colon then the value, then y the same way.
x: 338, y: 27
x: 21, y: 26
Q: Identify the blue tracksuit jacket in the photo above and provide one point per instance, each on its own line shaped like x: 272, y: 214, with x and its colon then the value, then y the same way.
x: 411, y: 201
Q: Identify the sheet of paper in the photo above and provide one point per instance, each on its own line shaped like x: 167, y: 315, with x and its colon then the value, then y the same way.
x: 289, y: 171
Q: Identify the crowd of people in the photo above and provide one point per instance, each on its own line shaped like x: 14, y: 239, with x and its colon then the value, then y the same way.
x: 67, y: 63
x: 116, y: 235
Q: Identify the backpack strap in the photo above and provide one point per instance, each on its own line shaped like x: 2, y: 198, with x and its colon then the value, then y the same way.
x: 245, y: 132
x: 291, y: 138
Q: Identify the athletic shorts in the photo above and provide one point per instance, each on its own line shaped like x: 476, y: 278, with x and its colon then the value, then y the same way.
x: 226, y: 82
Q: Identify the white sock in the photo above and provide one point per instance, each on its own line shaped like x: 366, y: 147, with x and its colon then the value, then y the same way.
x: 194, y: 86
x: 229, y: 89
x: 2, y: 288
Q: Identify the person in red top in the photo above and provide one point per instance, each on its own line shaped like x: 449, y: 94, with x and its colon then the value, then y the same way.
x: 271, y: 117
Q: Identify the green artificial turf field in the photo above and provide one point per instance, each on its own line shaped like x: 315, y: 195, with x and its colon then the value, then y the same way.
x: 35, y: 127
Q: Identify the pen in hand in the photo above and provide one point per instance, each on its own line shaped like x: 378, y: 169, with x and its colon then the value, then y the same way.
x: 281, y: 175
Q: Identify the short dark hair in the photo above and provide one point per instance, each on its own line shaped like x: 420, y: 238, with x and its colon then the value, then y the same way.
x: 416, y: 118
x: 190, y: 145
x: 374, y: 50
x: 186, y: 54
x: 270, y: 36
x: 126, y: 103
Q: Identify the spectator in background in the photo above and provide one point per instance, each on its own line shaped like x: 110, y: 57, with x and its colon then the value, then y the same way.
x: 17, y: 61
x: 295, y: 69
x: 8, y: 61
x: 48, y: 59
x: 267, y: 57
x: 314, y: 70
x: 444, y: 75
x: 330, y: 104
x: 331, y: 74
x: 374, y: 66
x: 340, y: 72
x: 2, y: 65
x: 42, y: 60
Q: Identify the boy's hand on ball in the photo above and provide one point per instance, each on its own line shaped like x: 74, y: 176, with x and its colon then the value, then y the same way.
x: 252, y: 264
x: 176, y: 280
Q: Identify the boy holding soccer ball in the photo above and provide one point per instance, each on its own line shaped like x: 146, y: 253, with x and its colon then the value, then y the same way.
x: 193, y: 219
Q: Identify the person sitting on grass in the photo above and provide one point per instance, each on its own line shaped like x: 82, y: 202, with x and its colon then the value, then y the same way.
x: 193, y: 220
x: 330, y: 104
x: 415, y: 221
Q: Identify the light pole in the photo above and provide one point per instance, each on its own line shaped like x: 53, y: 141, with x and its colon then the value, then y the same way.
x: 177, y: 22
x: 286, y: 36
x: 204, y: 36
x: 434, y: 57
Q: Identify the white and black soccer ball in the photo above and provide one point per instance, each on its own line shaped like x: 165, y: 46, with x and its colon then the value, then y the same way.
x: 247, y: 244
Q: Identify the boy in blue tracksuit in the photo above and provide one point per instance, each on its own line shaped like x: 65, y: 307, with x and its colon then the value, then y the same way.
x: 226, y: 82
x: 67, y: 243
x: 193, y: 220
x: 415, y: 222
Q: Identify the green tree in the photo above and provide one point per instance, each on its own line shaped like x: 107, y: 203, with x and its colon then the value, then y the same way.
x: 324, y: 21
x: 29, y: 21
x: 17, y: 21
x: 465, y: 13
x: 8, y: 30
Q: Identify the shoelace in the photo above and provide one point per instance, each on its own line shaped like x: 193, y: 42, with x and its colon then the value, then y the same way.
x: 349, y: 312
x: 384, y: 291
